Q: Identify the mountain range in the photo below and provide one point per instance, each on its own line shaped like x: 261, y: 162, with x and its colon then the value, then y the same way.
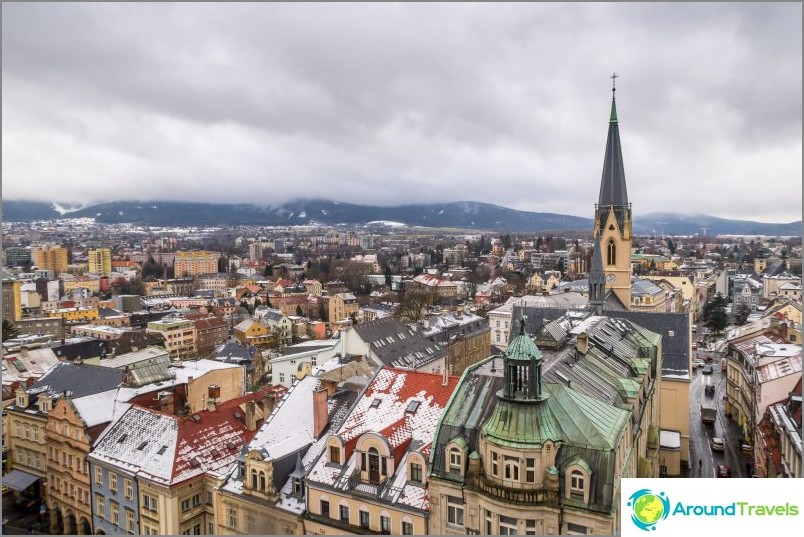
x: 461, y: 215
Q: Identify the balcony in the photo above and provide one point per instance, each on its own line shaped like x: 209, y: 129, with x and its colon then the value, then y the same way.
x: 515, y: 492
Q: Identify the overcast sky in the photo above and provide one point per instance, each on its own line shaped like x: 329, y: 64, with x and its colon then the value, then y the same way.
x: 386, y: 104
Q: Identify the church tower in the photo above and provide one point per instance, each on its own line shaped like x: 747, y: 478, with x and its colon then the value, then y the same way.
x: 613, y: 215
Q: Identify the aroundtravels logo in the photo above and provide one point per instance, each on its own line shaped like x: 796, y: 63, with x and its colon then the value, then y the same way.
x: 648, y: 508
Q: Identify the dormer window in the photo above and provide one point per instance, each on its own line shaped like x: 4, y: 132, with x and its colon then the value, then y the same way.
x: 577, y: 485
x: 455, y: 460
x: 334, y: 455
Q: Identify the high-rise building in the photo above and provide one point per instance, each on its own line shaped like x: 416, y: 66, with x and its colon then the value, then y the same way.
x: 100, y: 261
x: 195, y: 263
x: 53, y: 258
x: 12, y: 302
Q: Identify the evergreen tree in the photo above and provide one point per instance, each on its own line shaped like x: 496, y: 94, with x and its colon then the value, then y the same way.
x: 9, y: 330
x: 741, y: 314
x: 714, y: 314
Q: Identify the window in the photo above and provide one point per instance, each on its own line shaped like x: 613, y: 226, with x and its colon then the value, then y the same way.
x: 407, y: 528
x: 281, y: 378
x: 530, y: 527
x: 99, y: 505
x: 197, y: 529
x: 416, y: 472
x: 231, y: 517
x: 611, y: 253
x: 113, y: 482
x: 385, y: 525
x: 115, y: 508
x: 511, y: 468
x: 262, y: 481
x: 196, y: 500
x: 576, y: 485
x: 249, y: 522
x: 254, y: 479
x: 334, y: 454
x: 325, y: 508
x: 35, y: 433
x: 129, y: 488
x: 576, y: 529
x: 454, y: 511
x: 98, y: 475
x: 364, y: 519
x: 507, y: 526
x: 455, y: 463
x: 149, y: 503
x: 344, y: 513
x: 495, y: 464
x: 185, y: 505
x: 27, y: 431
x: 530, y: 470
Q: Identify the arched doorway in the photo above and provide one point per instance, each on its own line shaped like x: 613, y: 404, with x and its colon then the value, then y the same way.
x: 70, y: 527
x: 56, y: 520
x: 84, y: 527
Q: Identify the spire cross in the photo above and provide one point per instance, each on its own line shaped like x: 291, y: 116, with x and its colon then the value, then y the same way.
x: 613, y: 78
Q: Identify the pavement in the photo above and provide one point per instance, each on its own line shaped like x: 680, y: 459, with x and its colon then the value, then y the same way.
x: 18, y: 522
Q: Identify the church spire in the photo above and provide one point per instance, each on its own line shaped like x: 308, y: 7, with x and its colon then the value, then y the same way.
x: 613, y: 118
x: 613, y: 192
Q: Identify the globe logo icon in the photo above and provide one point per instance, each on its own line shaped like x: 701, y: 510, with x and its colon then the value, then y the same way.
x: 648, y: 508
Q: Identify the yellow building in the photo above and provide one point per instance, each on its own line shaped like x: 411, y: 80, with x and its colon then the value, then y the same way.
x: 53, y: 258
x: 250, y: 332
x: 179, y: 336
x: 195, y: 263
x: 74, y: 314
x: 99, y: 261
x: 342, y: 306
x: 12, y: 301
x: 90, y: 283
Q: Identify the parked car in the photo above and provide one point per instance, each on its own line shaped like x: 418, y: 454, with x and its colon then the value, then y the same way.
x: 707, y: 370
x: 723, y: 471
x: 747, y: 450
x: 718, y: 444
x: 697, y: 363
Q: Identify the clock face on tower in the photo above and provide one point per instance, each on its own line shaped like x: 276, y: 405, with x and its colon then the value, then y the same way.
x: 610, y: 278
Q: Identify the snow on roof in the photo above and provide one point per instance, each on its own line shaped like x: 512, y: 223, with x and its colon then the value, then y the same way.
x: 402, y: 406
x: 670, y: 439
x: 103, y: 407
x: 290, y: 426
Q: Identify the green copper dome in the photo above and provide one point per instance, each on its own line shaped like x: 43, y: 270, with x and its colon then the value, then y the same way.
x: 522, y: 348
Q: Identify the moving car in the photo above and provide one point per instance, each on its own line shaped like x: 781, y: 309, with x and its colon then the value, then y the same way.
x: 698, y: 363
x: 718, y: 444
x: 723, y: 471
x: 707, y: 370
x: 709, y: 389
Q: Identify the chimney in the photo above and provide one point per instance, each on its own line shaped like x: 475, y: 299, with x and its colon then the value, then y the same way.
x: 251, y: 417
x: 165, y: 402
x: 320, y: 414
x: 268, y: 403
x: 582, y: 345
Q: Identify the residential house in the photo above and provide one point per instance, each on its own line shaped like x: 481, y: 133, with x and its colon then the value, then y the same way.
x: 73, y: 425
x: 465, y: 337
x: 210, y: 332
x: 251, y: 332
x: 179, y: 335
x: 265, y: 492
x: 390, y: 343
x: 372, y: 474
x: 300, y: 360
x: 342, y: 308
x: 28, y: 416
x: 780, y: 437
x: 173, y: 463
x: 277, y: 321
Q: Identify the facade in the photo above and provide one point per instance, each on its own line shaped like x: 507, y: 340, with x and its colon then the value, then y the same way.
x: 647, y: 296
x: 194, y: 263
x: 99, y: 261
x: 298, y: 361
x: 779, y: 448
x: 52, y: 258
x: 210, y: 332
x: 342, y: 307
x: 12, y: 301
x: 372, y: 474
x: 179, y: 336
x: 174, y: 464
x: 72, y: 426
x: 543, y: 453
x: 251, y: 332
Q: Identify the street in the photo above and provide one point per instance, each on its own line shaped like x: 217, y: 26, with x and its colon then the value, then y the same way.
x: 701, y: 435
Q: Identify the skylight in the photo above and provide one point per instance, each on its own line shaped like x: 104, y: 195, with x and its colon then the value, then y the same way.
x: 161, y: 450
x: 413, y: 406
x: 142, y: 445
x: 375, y: 403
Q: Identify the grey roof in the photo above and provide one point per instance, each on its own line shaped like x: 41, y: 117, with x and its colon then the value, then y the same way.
x: 397, y: 345
x: 234, y: 349
x: 612, y: 185
x: 78, y: 380
x: 640, y: 287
